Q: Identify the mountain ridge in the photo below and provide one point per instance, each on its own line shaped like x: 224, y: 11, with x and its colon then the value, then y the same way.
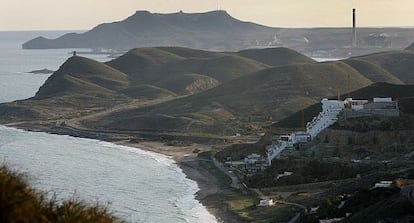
x: 179, y: 90
x: 146, y: 29
x: 219, y: 31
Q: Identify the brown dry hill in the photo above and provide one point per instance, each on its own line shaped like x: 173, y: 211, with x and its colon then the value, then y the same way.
x: 82, y: 86
x: 271, y: 93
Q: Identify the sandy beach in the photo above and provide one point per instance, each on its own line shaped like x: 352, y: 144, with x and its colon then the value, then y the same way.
x: 211, y: 190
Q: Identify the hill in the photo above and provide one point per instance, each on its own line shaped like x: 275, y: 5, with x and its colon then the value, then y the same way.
x: 398, y: 63
x: 150, y: 65
x: 231, y: 107
x: 275, y: 56
x: 185, y: 91
x: 243, y: 105
x: 219, y: 31
x: 82, y: 86
x: 374, y: 72
x: 210, y: 30
x: 410, y: 47
x: 79, y: 75
x: 186, y: 71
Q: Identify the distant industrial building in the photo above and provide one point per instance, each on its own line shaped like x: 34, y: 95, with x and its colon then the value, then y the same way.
x: 354, y: 34
x: 381, y: 40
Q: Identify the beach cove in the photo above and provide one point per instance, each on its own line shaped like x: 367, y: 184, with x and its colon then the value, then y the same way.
x: 14, y: 81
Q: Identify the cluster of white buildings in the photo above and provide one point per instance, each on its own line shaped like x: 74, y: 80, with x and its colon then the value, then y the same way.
x: 332, y: 110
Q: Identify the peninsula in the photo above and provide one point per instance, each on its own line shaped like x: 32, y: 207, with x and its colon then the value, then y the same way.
x: 219, y: 31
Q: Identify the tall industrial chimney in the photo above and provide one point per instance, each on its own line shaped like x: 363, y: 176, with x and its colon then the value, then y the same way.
x: 354, y: 37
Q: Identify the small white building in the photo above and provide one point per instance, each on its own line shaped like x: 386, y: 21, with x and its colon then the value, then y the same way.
x: 255, y: 163
x: 379, y: 100
x: 253, y: 158
x: 300, y: 137
x: 331, y: 220
x: 314, y: 210
x: 266, y: 203
x: 284, y: 174
x: 383, y: 184
x: 355, y: 104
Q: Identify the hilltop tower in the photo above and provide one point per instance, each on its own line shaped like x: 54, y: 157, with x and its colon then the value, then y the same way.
x: 354, y: 37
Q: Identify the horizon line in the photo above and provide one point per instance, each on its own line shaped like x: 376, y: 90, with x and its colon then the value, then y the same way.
x: 277, y: 27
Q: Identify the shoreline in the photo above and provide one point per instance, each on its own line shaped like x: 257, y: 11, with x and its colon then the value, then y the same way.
x: 211, y: 191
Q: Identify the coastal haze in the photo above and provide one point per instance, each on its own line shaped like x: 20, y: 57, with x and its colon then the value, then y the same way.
x: 230, y: 98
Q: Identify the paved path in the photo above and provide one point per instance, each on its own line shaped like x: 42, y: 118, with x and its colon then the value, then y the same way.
x: 235, y: 183
x: 234, y: 180
x: 295, y: 218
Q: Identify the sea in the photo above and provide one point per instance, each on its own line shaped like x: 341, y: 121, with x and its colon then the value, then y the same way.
x: 136, y: 185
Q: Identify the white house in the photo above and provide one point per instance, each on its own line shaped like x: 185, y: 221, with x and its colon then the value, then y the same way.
x: 266, y: 203
x: 383, y: 184
x: 327, y: 117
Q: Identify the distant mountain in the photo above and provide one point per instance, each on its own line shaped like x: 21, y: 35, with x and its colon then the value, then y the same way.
x: 218, y: 31
x: 410, y: 47
x: 210, y: 30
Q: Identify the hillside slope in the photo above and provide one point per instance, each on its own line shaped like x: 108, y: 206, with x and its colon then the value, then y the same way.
x: 373, y: 72
x: 243, y: 105
x: 79, y: 75
x: 186, y: 71
x: 271, y: 93
x: 182, y: 91
x: 275, y: 56
x: 398, y: 63
x: 82, y: 86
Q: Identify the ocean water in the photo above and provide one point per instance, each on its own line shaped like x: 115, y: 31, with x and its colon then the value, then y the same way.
x: 138, y: 186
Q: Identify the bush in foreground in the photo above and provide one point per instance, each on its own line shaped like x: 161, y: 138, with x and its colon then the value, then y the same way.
x: 20, y: 203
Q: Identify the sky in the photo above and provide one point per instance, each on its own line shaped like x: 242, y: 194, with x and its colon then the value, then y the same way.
x: 85, y: 14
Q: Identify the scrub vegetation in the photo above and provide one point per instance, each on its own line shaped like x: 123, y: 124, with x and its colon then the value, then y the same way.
x: 21, y: 203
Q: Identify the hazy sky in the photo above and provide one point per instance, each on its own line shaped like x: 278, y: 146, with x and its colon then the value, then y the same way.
x: 85, y: 14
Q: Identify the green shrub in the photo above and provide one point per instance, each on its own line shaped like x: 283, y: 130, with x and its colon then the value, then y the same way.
x: 20, y: 203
